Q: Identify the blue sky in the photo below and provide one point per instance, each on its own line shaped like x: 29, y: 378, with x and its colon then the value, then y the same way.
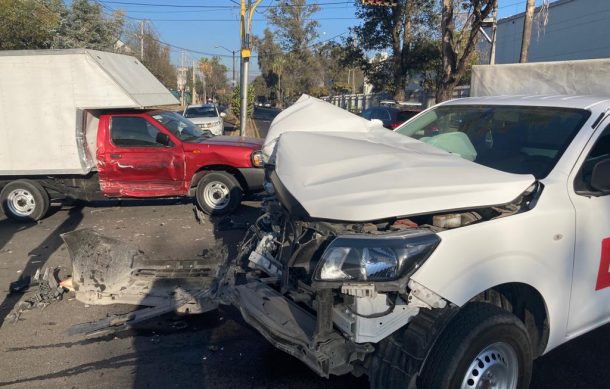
x: 201, y: 25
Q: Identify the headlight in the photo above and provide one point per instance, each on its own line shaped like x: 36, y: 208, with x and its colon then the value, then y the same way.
x: 257, y: 159
x: 375, y: 258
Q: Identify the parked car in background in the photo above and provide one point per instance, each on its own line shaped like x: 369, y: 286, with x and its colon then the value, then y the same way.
x: 391, y: 117
x: 206, y: 117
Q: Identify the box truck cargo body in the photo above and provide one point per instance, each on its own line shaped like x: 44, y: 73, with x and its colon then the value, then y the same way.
x: 52, y: 104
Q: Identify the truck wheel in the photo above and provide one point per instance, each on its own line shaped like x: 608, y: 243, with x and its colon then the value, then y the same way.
x: 218, y: 193
x: 482, y: 347
x: 24, y: 200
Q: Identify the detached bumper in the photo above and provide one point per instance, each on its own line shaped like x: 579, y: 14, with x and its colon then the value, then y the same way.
x: 295, y: 331
x: 254, y: 177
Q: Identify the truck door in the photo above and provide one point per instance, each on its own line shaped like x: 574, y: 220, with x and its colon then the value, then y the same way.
x: 590, y: 299
x: 136, y: 158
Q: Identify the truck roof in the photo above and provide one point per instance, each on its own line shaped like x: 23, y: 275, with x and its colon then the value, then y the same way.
x: 560, y: 101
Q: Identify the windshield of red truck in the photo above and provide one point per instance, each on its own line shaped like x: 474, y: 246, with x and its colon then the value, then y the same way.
x: 513, y: 139
x: 182, y: 128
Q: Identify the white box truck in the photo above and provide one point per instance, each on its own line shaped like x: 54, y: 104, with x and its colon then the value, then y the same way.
x: 79, y: 124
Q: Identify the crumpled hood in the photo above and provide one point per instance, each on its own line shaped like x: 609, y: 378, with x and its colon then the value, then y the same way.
x: 372, y: 173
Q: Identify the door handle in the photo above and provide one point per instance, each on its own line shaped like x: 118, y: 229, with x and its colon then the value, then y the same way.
x: 115, y: 156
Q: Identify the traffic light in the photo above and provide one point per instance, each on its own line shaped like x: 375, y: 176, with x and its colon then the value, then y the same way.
x: 380, y: 3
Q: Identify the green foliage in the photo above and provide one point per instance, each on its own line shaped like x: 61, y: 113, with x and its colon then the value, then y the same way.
x: 215, y: 74
x: 289, y: 65
x: 44, y: 24
x: 408, y: 32
x: 296, y: 27
x: 84, y: 25
x: 28, y: 24
x: 236, y: 101
x: 260, y: 87
x: 156, y: 55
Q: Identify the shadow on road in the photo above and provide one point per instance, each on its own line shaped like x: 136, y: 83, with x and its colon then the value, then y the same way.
x: 8, y: 228
x: 39, y: 256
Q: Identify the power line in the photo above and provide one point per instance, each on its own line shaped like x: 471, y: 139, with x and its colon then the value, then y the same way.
x: 230, y: 20
x: 217, y: 6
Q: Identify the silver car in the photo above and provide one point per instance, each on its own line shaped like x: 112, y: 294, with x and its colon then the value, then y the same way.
x: 206, y: 117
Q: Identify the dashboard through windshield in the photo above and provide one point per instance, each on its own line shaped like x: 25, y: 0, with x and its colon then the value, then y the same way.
x: 514, y: 139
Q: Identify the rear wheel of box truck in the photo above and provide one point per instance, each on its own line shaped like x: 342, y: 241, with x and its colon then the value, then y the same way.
x: 24, y: 200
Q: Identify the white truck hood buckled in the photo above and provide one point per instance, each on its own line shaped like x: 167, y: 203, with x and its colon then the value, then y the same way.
x: 350, y: 169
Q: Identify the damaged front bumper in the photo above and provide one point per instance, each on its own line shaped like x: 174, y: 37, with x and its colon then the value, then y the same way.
x: 297, y: 332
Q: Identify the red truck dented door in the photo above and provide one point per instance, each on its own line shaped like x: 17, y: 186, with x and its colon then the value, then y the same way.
x: 133, y: 161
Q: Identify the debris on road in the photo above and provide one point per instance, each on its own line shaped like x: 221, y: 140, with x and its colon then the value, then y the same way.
x: 47, y: 292
x: 107, y: 271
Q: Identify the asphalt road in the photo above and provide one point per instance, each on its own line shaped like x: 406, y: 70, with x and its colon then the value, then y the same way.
x: 212, y: 350
x: 263, y: 118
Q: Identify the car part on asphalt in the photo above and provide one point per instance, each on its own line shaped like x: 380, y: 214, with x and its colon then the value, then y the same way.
x: 47, y: 291
x: 108, y: 271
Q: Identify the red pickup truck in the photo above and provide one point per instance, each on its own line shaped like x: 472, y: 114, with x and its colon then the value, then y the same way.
x: 144, y: 154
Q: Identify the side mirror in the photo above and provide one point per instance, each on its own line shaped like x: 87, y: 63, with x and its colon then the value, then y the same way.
x: 223, y: 114
x: 600, y: 176
x: 163, y: 139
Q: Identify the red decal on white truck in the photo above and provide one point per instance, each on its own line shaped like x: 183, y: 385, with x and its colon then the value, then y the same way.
x: 603, y: 276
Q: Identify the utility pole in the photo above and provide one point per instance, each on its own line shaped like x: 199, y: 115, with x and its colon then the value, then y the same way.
x: 194, y: 91
x: 142, y: 40
x: 233, y: 52
x: 527, y: 29
x: 246, y: 28
x: 494, y: 28
x: 183, y: 75
x: 205, y: 93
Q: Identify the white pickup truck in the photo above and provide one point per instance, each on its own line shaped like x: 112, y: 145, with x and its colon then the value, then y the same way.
x: 447, y: 254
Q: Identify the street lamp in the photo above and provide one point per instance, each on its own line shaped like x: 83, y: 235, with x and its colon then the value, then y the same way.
x: 233, y: 53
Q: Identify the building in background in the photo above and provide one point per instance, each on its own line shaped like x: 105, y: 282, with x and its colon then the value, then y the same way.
x: 574, y: 29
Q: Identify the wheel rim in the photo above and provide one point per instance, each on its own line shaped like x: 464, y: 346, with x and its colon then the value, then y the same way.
x: 497, y: 367
x: 21, y: 202
x: 216, y: 195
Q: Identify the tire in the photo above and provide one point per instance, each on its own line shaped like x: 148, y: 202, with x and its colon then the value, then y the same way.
x: 24, y: 200
x: 218, y: 193
x: 482, y: 339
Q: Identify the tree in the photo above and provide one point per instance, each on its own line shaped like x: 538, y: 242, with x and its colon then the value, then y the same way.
x: 236, y: 102
x: 156, y: 55
x: 338, y: 67
x: 295, y: 25
x: 215, y: 76
x: 28, y: 24
x: 407, y: 30
x: 458, y: 41
x: 527, y: 29
x: 84, y: 25
x: 260, y: 88
x: 296, y: 29
x: 270, y: 56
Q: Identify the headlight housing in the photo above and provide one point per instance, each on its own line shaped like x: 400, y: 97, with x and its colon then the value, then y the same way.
x: 369, y: 258
x: 257, y: 159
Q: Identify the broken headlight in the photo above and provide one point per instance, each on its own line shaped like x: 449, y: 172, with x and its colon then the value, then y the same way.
x: 375, y: 258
